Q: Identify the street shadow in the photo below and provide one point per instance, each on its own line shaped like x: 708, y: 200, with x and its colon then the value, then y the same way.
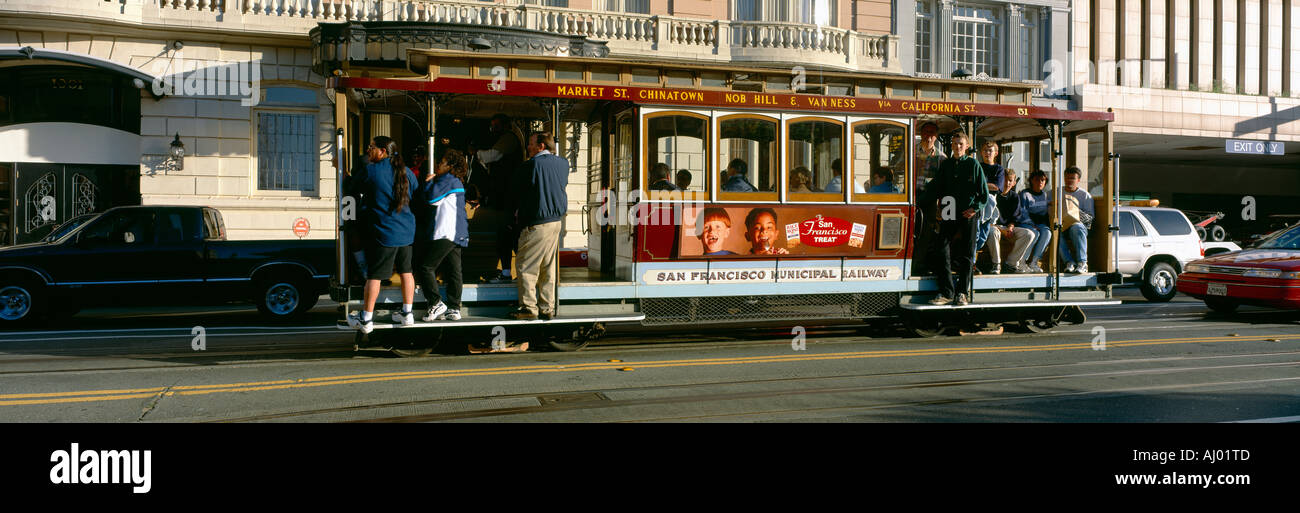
x: 1077, y: 405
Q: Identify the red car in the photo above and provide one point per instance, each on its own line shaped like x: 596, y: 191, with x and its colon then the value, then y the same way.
x: 1266, y: 274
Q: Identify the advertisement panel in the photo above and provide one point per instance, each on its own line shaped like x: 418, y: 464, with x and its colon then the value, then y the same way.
x: 721, y: 232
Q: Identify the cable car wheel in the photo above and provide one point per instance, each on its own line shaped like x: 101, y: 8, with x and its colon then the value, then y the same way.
x: 920, y: 325
x: 1041, y: 320
x: 567, y: 338
x: 405, y: 343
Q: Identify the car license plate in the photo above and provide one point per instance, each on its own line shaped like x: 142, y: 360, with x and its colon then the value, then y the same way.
x: 1216, y: 289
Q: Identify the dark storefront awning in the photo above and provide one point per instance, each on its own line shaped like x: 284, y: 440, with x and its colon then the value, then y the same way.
x: 32, y: 53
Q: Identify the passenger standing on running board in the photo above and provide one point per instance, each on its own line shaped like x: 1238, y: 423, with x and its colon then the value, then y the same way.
x: 386, y: 185
x: 542, y: 203
x: 442, y: 230
x: 960, y: 190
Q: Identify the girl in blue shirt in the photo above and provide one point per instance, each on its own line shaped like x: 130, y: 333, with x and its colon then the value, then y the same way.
x: 385, y: 185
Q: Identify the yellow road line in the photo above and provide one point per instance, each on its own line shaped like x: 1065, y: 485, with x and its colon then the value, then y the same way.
x: 284, y: 384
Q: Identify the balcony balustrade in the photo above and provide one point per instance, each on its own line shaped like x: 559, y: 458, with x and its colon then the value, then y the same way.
x: 627, y: 34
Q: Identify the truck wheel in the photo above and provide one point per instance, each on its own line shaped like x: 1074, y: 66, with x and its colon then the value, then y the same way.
x: 1200, y: 232
x: 1217, y: 233
x: 20, y: 303
x: 283, y: 299
x: 1159, y: 283
x: 1223, y: 306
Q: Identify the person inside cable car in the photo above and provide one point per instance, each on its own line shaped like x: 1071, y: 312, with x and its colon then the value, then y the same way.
x: 734, y: 178
x: 683, y: 179
x: 1012, y: 225
x: 836, y: 183
x: 659, y: 178
x: 1077, y: 233
x: 1034, y: 200
x: 502, y: 158
x: 882, y: 181
x: 800, y: 179
x: 928, y: 154
x: 994, y: 173
x: 715, y: 227
x: 761, y: 232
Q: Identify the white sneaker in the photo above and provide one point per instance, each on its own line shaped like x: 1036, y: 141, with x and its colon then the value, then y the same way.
x: 434, y: 312
x: 1081, y: 268
x: 1069, y: 267
x: 1021, y: 268
x: 1034, y: 268
x: 453, y: 315
x: 404, y: 318
x: 354, y: 321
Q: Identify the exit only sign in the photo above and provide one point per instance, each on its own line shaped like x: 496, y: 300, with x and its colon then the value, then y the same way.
x: 1255, y: 147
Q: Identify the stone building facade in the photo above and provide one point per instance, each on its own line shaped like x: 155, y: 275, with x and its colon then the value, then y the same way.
x: 267, y: 163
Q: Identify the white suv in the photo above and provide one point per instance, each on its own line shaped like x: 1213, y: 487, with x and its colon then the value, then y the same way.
x: 1154, y: 246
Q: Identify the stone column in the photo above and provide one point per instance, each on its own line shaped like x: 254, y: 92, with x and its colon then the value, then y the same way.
x: 1054, y: 22
x: 905, y: 13
x: 1013, y: 52
x: 942, y: 33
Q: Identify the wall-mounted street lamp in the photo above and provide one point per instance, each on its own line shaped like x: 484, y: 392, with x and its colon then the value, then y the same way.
x: 961, y: 73
x: 177, y: 153
x: 480, y: 43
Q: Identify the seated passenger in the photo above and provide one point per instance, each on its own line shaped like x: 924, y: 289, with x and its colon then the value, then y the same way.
x: 800, y: 178
x: 659, y: 178
x: 882, y: 181
x: 683, y: 180
x: 760, y: 231
x: 1076, y: 234
x: 837, y: 179
x: 733, y: 179
x: 1011, y: 225
x: 714, y: 227
x: 1034, y: 201
x: 994, y: 174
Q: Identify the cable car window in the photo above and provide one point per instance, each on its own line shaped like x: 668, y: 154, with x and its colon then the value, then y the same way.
x: 677, y: 150
x: 605, y: 73
x: 748, y: 155
x: 568, y: 71
x: 880, y: 163
x: 530, y: 70
x: 815, y: 160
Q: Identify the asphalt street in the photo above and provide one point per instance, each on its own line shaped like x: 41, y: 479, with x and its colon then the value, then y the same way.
x: 1136, y: 362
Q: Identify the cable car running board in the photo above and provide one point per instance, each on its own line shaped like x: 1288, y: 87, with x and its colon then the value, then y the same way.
x: 1017, y: 304
x: 494, y: 321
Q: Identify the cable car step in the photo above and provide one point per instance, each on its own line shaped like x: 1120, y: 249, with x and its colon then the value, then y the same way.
x: 384, y: 322
x: 1011, y: 304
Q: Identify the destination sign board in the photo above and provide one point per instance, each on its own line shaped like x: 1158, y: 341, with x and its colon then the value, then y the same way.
x: 718, y: 98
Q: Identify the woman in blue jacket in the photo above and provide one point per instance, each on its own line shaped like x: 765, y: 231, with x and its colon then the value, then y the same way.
x: 386, y: 188
x: 443, y: 229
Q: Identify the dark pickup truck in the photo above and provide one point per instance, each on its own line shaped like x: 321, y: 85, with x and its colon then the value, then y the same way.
x: 159, y: 255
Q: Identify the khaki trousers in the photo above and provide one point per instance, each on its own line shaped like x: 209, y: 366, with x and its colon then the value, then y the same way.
x: 538, y: 263
x: 1024, y: 237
